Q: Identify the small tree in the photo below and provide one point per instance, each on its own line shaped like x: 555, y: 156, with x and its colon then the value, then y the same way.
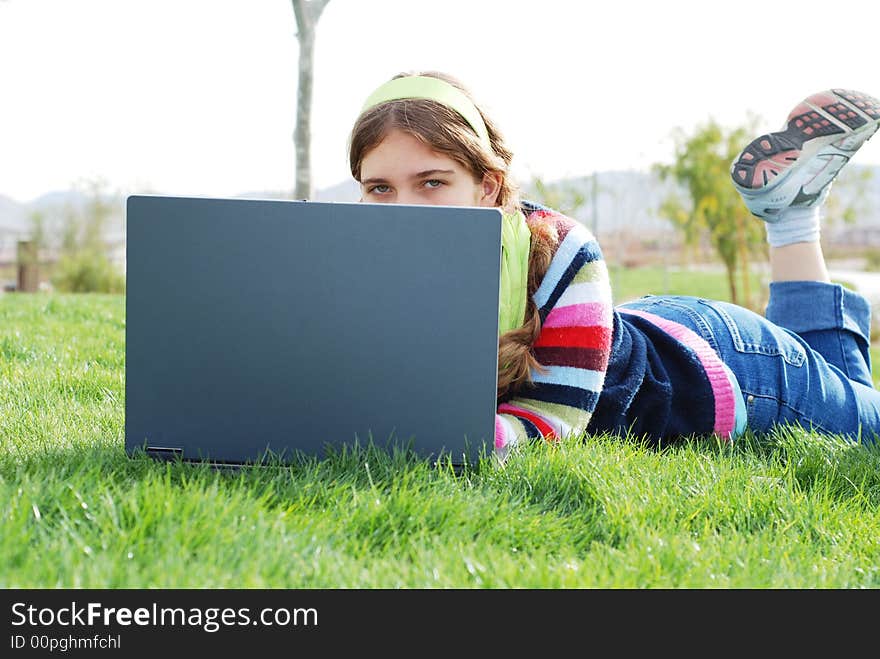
x: 566, y: 197
x: 83, y: 265
x: 852, y: 185
x: 702, y: 165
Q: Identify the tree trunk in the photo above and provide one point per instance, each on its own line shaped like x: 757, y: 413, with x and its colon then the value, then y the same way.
x: 743, y: 259
x: 731, y: 281
x: 302, y: 135
x: 307, y: 14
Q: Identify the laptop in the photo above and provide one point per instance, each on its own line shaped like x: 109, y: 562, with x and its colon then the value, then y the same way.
x: 266, y: 329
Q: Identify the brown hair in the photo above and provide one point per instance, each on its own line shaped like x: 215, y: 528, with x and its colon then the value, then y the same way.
x: 447, y: 132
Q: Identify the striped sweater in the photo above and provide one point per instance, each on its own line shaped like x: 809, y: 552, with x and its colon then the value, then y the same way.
x: 618, y: 370
x: 574, y: 302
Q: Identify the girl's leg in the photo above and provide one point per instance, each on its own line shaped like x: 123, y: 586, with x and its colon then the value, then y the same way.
x: 834, y: 321
x: 782, y: 378
x: 784, y: 179
x: 798, y: 262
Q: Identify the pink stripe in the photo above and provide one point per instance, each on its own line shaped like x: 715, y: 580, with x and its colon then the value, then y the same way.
x: 499, y: 433
x: 589, y: 313
x: 725, y: 405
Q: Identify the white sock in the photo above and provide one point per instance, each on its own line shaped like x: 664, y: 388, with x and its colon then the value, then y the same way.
x: 795, y: 225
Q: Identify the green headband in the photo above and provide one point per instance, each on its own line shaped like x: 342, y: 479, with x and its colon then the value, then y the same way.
x: 432, y: 89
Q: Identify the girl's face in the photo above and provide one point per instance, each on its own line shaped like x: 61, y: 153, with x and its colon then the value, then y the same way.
x: 403, y: 170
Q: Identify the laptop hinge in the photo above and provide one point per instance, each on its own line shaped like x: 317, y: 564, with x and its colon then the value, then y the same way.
x: 164, y: 452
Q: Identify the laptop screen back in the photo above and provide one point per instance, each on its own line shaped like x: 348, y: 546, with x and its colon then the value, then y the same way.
x: 291, y: 326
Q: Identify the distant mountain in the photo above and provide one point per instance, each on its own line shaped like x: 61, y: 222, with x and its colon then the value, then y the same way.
x: 12, y: 215
x: 625, y: 200
x: 17, y: 218
x: 344, y: 191
x: 53, y: 210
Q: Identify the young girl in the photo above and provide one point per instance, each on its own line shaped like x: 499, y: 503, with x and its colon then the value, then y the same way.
x: 661, y: 367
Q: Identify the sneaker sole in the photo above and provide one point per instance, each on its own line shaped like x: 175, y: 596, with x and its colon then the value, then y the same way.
x: 821, y: 119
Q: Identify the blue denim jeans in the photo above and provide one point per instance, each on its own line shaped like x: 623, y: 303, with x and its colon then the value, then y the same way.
x: 806, y: 362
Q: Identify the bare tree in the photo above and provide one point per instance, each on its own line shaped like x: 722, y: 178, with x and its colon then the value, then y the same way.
x: 307, y: 13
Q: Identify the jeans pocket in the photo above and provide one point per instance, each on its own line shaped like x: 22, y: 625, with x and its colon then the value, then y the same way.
x: 752, y: 333
x: 762, y: 412
x: 765, y: 412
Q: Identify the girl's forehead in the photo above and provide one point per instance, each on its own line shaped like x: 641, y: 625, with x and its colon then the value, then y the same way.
x: 399, y: 151
x: 403, y: 142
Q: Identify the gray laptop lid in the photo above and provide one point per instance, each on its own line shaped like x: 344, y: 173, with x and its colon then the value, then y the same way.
x: 291, y: 326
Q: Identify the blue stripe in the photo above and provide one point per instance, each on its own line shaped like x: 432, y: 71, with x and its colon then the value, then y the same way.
x: 571, y: 376
x: 566, y: 251
x: 531, y: 429
x: 561, y: 394
x: 587, y: 253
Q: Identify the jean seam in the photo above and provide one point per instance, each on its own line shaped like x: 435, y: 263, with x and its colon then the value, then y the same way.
x: 797, y: 359
x: 705, y: 330
x: 738, y: 342
x: 843, y: 359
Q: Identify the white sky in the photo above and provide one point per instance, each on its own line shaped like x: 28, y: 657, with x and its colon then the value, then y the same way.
x: 198, y: 96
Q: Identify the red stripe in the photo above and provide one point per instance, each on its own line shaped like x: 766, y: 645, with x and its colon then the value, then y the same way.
x: 540, y: 424
x: 593, y: 336
x: 591, y: 358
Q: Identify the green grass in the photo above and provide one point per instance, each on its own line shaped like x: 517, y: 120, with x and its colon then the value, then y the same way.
x: 631, y: 283
x: 711, y: 283
x: 789, y: 510
x: 875, y: 364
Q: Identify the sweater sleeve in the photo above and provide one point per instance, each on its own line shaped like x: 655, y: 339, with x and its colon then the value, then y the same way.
x: 575, y: 306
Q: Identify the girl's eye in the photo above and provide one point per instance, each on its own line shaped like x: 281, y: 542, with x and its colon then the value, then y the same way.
x: 433, y: 183
x: 379, y: 189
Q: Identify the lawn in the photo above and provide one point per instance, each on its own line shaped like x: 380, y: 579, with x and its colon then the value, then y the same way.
x: 630, y: 283
x: 791, y: 510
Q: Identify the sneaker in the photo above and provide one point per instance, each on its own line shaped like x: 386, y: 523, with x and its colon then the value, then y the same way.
x: 796, y: 166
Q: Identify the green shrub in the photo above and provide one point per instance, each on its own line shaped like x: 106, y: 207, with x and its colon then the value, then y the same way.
x: 872, y: 259
x: 87, y: 272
